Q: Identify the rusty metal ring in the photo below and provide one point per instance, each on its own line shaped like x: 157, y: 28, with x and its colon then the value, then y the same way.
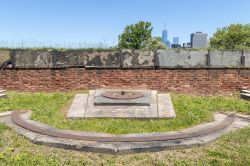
x: 122, y: 95
x: 18, y: 120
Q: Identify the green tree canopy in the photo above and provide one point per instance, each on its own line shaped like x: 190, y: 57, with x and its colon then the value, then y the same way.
x: 134, y: 36
x: 235, y: 36
x: 154, y: 43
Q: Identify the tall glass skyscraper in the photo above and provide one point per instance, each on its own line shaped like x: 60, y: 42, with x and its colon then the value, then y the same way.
x: 165, y: 38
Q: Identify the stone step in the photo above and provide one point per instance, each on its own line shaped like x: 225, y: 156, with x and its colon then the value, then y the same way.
x: 245, y: 91
x: 2, y: 91
x: 245, y: 96
x: 2, y: 95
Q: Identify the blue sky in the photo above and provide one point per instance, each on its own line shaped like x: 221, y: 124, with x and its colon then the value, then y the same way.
x: 103, y: 20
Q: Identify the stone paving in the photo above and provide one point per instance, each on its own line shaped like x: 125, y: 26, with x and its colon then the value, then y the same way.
x: 94, y: 105
x: 245, y: 94
x: 194, y: 136
x: 78, y: 106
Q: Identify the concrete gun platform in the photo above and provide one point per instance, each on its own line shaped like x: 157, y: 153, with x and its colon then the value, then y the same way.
x: 94, y: 105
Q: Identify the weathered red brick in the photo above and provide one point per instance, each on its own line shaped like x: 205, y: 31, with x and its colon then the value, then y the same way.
x: 203, y: 81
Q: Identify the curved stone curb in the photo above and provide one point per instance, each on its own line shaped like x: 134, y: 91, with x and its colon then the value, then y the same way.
x: 16, y: 118
x: 125, y: 147
x: 242, y: 116
x: 3, y: 114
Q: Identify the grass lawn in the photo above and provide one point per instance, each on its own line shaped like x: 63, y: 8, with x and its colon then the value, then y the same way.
x: 231, y: 149
x: 51, y: 109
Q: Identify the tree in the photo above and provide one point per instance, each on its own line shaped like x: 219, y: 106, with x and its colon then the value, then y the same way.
x: 235, y: 36
x: 134, y: 36
x: 154, y: 43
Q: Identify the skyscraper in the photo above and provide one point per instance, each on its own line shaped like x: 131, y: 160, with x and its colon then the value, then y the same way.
x: 165, y: 38
x: 198, y: 40
x: 176, y: 40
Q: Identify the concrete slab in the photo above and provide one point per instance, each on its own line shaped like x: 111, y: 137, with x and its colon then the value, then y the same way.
x: 247, y: 58
x: 78, y: 107
x: 225, y: 58
x: 33, y: 59
x: 181, y: 58
x: 91, y: 110
x: 154, y: 102
x: 165, y: 106
x: 135, y: 59
x: 120, y: 111
x: 115, y: 111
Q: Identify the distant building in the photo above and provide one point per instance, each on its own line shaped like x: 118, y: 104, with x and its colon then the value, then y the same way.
x: 176, y: 40
x: 165, y: 38
x: 175, y: 46
x: 168, y: 44
x: 186, y: 45
x: 198, y: 40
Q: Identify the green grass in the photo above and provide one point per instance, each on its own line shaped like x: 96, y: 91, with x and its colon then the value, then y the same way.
x: 51, y: 108
x: 230, y: 149
x: 2, y: 128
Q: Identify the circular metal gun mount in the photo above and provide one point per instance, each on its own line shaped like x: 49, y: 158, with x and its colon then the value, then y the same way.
x: 122, y: 95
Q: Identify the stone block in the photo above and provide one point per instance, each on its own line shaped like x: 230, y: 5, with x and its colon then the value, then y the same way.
x: 225, y: 58
x: 247, y: 58
x: 77, y: 58
x: 182, y: 58
x: 66, y: 59
x: 4, y: 56
x: 104, y: 59
x: 33, y: 59
x: 135, y: 59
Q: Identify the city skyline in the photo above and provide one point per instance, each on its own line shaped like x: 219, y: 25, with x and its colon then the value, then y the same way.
x: 197, y: 40
x: 99, y: 21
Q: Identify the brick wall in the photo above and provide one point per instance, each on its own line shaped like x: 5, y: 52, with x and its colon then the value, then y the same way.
x: 205, y: 81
